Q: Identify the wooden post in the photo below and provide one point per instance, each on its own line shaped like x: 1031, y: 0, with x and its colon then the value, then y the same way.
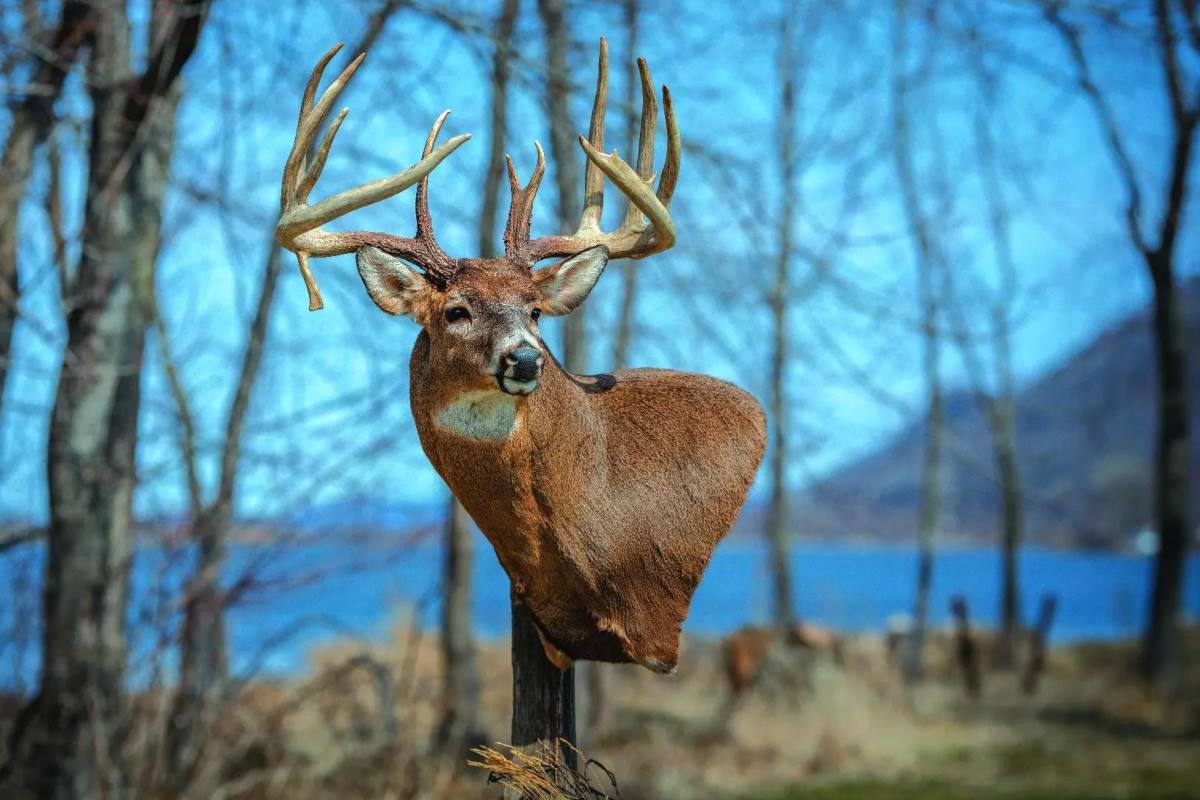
x: 966, y: 651
x: 1037, y: 644
x: 543, y: 695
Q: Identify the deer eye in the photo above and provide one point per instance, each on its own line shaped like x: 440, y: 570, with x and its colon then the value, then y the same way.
x: 456, y: 314
x: 537, y: 312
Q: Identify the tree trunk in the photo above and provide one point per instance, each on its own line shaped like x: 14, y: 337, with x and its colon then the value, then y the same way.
x: 73, y: 739
x: 204, y: 664
x: 1000, y: 407
x: 925, y: 257
x: 1172, y: 453
x: 1171, y: 474
x: 501, y: 69
x: 565, y: 156
x: 629, y: 268
x: 68, y: 742
x: 30, y: 123
x: 783, y: 613
x: 1004, y: 440
x: 459, y: 726
x: 543, y: 695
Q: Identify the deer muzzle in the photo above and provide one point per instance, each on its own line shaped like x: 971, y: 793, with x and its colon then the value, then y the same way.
x: 522, y: 368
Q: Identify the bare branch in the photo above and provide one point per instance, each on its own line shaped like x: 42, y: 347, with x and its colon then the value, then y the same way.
x: 1104, y: 113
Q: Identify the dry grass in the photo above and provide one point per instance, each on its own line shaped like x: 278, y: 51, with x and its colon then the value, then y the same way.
x: 812, y: 724
x: 541, y: 775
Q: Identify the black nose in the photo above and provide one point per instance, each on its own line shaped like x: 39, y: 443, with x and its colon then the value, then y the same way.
x: 524, y: 362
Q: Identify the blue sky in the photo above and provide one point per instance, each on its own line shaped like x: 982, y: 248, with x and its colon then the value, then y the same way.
x: 330, y: 419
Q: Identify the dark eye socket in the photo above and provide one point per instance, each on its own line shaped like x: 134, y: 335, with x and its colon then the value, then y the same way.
x: 537, y: 312
x: 457, y: 313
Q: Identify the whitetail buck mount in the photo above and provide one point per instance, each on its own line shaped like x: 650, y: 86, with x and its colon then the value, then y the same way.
x: 603, y: 496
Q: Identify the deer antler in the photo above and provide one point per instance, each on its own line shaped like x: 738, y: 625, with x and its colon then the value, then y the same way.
x: 299, y: 228
x: 647, y: 227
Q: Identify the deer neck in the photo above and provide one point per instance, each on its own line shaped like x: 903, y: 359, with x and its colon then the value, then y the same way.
x: 491, y: 448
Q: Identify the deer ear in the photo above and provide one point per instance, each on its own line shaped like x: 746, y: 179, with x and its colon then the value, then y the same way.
x: 393, y: 285
x: 566, y: 284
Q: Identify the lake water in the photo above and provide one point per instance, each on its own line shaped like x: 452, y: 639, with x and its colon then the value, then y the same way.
x: 301, y: 596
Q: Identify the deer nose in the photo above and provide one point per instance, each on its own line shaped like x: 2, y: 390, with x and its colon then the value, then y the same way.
x: 525, y: 362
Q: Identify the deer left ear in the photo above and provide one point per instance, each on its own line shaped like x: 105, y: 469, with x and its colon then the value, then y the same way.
x: 567, y: 284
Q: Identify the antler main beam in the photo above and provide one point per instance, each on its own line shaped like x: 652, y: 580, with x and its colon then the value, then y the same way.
x: 299, y: 228
x: 647, y: 227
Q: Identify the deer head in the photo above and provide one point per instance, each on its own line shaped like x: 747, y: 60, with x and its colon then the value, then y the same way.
x: 604, y: 496
x: 481, y: 314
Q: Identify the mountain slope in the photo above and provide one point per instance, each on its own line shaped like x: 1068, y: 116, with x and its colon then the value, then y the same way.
x: 1085, y: 434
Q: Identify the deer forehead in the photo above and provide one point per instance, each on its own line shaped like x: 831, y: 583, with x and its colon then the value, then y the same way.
x: 492, y: 282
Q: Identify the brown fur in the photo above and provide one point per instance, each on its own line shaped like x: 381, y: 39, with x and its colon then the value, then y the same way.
x: 604, y: 508
x: 606, y: 499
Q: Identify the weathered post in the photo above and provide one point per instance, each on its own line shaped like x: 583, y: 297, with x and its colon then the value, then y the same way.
x: 1036, y: 664
x: 543, y: 714
x: 966, y: 651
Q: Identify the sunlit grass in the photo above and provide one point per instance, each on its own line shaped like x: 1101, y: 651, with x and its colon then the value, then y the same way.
x: 1030, y: 773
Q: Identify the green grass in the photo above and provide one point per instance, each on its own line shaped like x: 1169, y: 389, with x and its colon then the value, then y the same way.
x: 1021, y: 772
x: 1159, y: 787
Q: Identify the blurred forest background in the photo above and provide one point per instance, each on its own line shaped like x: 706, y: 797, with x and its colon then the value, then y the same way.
x: 951, y: 246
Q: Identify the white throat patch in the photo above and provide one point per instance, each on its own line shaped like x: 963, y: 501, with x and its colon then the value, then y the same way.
x: 490, y: 415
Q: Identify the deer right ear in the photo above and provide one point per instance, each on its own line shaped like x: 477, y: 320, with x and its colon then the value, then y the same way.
x: 567, y: 284
x: 393, y: 285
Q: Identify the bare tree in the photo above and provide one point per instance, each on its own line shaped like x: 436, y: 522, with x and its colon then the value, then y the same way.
x: 1176, y: 32
x: 996, y: 394
x: 565, y: 157
x: 203, y: 671
x: 629, y: 270
x: 778, y: 518
x: 31, y: 121
x: 67, y: 742
x: 203, y: 668
x: 989, y: 367
x: 926, y: 260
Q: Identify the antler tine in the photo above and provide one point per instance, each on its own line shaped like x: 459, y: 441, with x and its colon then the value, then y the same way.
x: 645, y: 154
x: 647, y: 227
x: 670, y: 171
x: 520, y: 209
x: 311, y: 117
x: 308, y: 217
x: 295, y: 165
x: 313, y: 173
x: 299, y: 227
x: 424, y: 220
x: 593, y: 181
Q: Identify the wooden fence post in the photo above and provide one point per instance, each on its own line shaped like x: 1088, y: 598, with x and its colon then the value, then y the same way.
x: 543, y: 711
x: 965, y: 649
x: 1036, y: 664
